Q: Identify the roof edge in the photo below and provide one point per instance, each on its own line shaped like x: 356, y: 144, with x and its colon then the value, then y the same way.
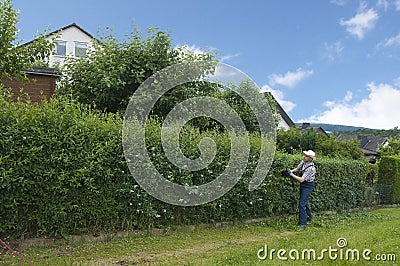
x: 73, y: 24
x: 44, y: 71
x: 281, y: 111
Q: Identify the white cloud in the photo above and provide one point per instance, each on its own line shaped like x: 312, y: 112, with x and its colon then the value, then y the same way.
x: 383, y: 3
x: 196, y: 50
x: 393, y: 41
x: 363, y: 21
x: 396, y: 82
x: 289, y: 79
x: 339, y: 2
x: 378, y: 110
x: 191, y: 49
x: 387, y: 4
x: 348, y: 97
x: 225, y: 58
x: 279, y: 96
x: 225, y: 73
x: 333, y: 51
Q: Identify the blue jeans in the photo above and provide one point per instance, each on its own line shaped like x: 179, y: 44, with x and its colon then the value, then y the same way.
x: 304, y: 209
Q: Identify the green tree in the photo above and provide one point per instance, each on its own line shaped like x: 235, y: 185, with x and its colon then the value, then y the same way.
x: 110, y: 73
x: 13, y: 58
x: 294, y: 141
x: 273, y: 104
x: 288, y: 141
x: 393, y: 148
x: 232, y: 95
x: 308, y: 140
x: 333, y: 147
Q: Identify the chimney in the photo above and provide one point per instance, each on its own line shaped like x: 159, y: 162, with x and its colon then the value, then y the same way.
x: 305, y: 125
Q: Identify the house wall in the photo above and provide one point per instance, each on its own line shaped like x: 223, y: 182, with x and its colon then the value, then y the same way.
x: 283, y: 125
x: 71, y: 35
x: 32, y: 86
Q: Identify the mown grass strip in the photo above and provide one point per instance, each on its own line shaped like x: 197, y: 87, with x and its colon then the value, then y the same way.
x: 377, y: 230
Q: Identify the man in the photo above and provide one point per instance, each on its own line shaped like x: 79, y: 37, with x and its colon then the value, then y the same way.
x: 308, y: 170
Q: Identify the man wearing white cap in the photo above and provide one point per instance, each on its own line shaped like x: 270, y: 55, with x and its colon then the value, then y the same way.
x: 308, y: 170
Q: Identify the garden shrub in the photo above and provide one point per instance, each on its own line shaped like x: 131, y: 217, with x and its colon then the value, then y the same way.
x: 383, y: 193
x: 389, y: 174
x: 63, y: 171
x: 60, y: 166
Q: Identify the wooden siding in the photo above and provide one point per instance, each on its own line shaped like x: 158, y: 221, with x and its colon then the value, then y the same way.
x: 36, y: 86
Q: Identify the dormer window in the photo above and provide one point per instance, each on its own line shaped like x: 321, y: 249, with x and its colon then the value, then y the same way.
x: 61, y: 48
x: 80, y: 49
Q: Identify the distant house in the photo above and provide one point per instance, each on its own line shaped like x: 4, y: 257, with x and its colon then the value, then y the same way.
x: 71, y: 40
x: 39, y: 83
x: 285, y: 121
x: 368, y: 144
x: 307, y: 126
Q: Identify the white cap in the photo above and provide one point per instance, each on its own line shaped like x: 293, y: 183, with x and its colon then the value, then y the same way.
x: 310, y: 153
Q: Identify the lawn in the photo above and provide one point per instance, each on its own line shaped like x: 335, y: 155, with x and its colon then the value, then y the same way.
x: 357, y: 238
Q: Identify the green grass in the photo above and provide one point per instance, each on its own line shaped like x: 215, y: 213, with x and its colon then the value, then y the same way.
x: 377, y: 230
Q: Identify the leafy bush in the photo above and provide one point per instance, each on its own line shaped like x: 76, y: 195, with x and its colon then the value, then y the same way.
x: 62, y: 171
x: 15, y: 57
x: 60, y: 166
x: 389, y: 174
x: 111, y: 72
x: 293, y: 140
x: 393, y: 148
x: 383, y: 193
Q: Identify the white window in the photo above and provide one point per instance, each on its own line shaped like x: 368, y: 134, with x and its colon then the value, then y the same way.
x: 61, y: 48
x: 80, y: 49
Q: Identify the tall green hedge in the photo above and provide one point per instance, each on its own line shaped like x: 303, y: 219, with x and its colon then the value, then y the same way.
x: 62, y: 171
x: 389, y: 174
x: 59, y: 168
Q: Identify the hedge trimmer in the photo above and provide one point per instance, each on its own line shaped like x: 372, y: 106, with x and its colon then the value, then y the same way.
x: 286, y: 173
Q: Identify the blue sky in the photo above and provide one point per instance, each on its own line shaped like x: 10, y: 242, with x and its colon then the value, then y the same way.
x: 328, y: 61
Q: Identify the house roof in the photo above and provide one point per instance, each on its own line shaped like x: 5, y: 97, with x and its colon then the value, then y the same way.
x: 281, y: 111
x: 307, y: 126
x: 43, y: 71
x: 368, y: 152
x: 61, y: 29
x: 368, y: 143
x: 374, y: 142
x: 346, y: 137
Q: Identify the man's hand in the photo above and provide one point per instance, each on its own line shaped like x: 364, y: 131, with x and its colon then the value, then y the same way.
x: 287, y: 173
